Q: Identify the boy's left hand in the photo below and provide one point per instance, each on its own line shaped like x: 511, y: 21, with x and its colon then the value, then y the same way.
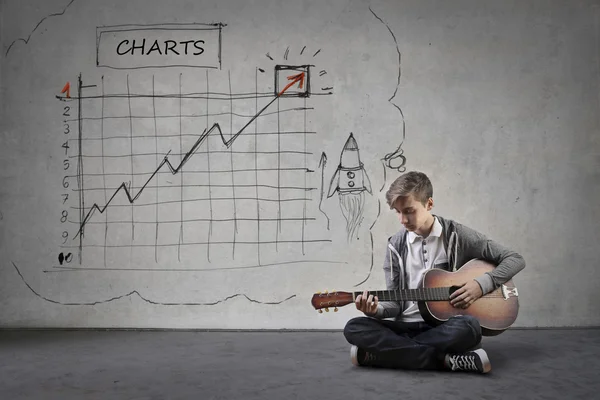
x: 466, y: 295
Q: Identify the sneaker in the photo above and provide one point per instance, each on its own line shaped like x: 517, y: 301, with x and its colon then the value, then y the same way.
x: 361, y: 357
x: 475, y: 361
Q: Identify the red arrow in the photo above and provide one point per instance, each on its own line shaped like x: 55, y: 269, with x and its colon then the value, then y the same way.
x: 67, y: 89
x: 294, y: 79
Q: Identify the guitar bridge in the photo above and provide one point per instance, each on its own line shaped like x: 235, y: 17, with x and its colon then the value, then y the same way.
x: 507, y: 292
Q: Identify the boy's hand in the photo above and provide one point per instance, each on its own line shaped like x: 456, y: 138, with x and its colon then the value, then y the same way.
x: 366, y: 303
x: 466, y: 295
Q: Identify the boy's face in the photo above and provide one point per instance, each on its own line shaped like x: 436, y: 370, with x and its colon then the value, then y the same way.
x: 412, y: 213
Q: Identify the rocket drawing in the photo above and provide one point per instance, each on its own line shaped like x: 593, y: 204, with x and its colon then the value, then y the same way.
x: 350, y: 176
x: 351, y: 181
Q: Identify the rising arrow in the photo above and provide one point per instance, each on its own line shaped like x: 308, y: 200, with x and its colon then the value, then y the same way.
x: 322, y: 164
x: 293, y: 79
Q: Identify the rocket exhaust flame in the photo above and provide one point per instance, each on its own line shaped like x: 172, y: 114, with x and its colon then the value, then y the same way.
x: 352, y: 205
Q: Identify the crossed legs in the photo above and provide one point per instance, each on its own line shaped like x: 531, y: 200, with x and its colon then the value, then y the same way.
x: 413, y: 345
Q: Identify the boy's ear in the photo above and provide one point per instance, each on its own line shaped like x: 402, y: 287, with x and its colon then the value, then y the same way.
x: 429, y: 204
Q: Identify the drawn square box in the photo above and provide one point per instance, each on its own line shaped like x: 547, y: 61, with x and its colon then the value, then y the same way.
x: 289, y: 74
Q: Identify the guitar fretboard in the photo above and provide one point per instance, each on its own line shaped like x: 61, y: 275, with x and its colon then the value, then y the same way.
x: 424, y: 294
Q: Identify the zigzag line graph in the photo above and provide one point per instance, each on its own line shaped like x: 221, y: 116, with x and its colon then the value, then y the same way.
x: 174, y: 170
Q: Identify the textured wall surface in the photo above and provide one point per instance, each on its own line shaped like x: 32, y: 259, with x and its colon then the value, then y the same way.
x: 212, y: 164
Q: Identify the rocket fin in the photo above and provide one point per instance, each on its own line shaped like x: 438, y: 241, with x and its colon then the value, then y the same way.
x: 334, y: 184
x: 367, y: 181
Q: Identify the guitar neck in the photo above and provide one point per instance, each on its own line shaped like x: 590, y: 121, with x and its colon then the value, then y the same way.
x: 424, y: 294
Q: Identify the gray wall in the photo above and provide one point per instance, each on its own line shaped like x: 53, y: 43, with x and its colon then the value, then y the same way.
x: 500, y: 105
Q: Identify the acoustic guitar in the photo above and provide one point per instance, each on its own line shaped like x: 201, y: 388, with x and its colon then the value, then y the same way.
x: 496, y: 311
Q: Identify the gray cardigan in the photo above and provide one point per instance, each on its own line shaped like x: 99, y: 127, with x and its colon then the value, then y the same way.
x: 462, y: 244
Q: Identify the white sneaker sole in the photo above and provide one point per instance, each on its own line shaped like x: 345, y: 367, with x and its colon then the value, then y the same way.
x: 354, y: 355
x: 485, y: 361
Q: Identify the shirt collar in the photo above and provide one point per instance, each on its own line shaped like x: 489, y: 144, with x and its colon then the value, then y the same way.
x: 436, y: 231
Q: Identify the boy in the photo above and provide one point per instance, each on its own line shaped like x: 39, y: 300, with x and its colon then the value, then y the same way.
x: 393, y: 334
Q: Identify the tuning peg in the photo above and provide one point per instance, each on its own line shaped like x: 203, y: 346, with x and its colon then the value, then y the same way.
x: 320, y: 311
x: 335, y: 309
x: 326, y: 292
x: 327, y: 309
x: 318, y: 292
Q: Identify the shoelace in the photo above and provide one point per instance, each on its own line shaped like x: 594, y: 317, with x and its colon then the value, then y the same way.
x: 463, y: 362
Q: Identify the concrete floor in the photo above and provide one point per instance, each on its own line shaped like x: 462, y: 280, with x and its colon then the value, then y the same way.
x: 526, y: 364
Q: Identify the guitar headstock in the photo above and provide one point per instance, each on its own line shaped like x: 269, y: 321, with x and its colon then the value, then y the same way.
x: 334, y: 299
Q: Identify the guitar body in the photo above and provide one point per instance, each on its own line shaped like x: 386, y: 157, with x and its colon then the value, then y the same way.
x: 496, y: 311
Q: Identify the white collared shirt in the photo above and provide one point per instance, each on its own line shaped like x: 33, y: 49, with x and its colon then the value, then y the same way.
x: 421, y: 255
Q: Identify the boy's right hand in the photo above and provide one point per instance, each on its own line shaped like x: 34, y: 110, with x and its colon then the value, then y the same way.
x: 367, y: 304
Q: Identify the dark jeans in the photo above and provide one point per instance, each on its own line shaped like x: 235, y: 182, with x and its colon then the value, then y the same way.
x: 413, y: 345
